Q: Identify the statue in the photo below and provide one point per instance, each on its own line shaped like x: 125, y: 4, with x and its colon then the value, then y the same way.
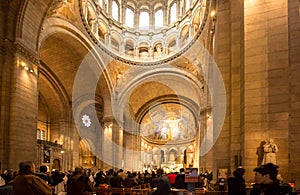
x: 158, y: 51
x: 270, y: 149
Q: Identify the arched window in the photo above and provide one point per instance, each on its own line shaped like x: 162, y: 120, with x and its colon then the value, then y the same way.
x: 115, y: 10
x: 144, y: 19
x: 129, y: 17
x: 187, y: 4
x: 159, y: 18
x: 173, y: 13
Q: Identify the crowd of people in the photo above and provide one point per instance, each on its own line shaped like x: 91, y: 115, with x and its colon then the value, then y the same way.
x: 266, y: 182
x: 82, y: 182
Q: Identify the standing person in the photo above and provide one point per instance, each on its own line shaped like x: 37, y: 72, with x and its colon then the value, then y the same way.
x: 44, y: 175
x: 172, y: 176
x: 79, y: 183
x: 236, y: 183
x: 26, y: 183
x: 163, y: 184
x: 266, y: 182
x: 179, y: 180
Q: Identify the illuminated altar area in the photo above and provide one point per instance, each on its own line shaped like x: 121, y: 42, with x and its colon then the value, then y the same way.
x: 169, y: 134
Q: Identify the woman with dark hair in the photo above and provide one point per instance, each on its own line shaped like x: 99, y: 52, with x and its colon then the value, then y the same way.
x: 26, y: 183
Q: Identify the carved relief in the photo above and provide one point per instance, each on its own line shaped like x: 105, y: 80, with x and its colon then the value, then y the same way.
x: 62, y: 8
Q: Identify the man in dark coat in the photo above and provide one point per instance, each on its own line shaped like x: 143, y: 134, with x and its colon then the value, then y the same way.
x: 179, y: 180
x: 26, y: 183
x: 236, y: 184
x: 79, y: 183
x: 163, y: 184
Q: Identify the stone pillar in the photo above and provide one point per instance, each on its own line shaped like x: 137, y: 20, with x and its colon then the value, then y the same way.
x: 108, y: 154
x: 266, y: 83
x: 165, y: 13
x: 122, y: 13
x: 136, y: 17
x: 109, y: 8
x: 178, y: 8
x: 294, y: 125
x: 152, y: 21
x: 19, y: 105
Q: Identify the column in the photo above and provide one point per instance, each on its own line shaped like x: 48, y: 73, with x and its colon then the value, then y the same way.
x: 136, y: 17
x: 19, y: 105
x: 122, y: 13
x: 166, y: 13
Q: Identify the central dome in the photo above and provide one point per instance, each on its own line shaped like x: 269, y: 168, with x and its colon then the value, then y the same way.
x: 143, y: 31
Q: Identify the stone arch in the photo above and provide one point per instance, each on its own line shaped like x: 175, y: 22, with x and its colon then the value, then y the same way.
x: 91, y: 18
x: 86, y: 156
x: 197, y: 20
x: 144, y: 50
x: 173, y: 153
x: 158, y: 49
x: 116, y: 41
x: 56, y: 164
x: 157, y: 6
x: 163, y: 155
x: 171, y: 44
x: 129, y: 47
x: 103, y: 31
x: 184, y: 35
x: 131, y: 5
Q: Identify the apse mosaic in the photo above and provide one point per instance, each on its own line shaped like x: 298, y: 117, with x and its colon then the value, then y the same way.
x: 168, y: 122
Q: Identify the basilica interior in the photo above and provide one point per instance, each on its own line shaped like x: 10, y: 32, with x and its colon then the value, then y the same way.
x: 142, y: 85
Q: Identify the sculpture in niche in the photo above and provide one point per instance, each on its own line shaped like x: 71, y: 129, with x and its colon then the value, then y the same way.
x: 158, y: 50
x: 270, y: 149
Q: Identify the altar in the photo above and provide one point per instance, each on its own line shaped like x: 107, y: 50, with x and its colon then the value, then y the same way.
x: 168, y: 168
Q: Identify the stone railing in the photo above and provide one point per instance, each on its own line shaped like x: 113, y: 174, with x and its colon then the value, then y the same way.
x: 48, y: 143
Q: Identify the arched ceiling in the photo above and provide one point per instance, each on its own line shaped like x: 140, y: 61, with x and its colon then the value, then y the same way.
x: 61, y: 56
x: 165, y: 86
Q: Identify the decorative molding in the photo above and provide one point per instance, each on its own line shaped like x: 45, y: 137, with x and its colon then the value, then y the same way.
x: 18, y: 48
x: 9, y: 46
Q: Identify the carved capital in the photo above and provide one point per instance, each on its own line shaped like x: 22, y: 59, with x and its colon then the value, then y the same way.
x: 19, y: 49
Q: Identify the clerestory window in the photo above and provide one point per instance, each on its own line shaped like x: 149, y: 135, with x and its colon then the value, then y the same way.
x: 115, y: 10
x: 173, y: 13
x: 187, y: 4
x: 129, y: 17
x: 159, y: 18
x: 144, y: 20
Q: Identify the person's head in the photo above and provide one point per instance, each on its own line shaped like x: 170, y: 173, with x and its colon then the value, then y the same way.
x: 26, y: 168
x: 43, y: 169
x: 239, y: 172
x: 266, y: 173
x: 78, y: 170
x: 159, y: 172
x: 181, y: 170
